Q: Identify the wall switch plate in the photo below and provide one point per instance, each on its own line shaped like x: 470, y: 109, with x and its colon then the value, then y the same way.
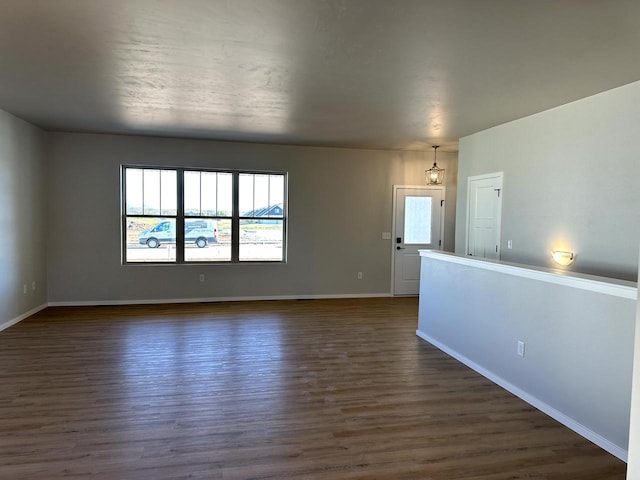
x: 386, y: 235
x: 201, y: 277
x: 509, y: 244
x: 359, y: 275
x: 521, y: 348
x: 24, y: 288
x: 33, y: 285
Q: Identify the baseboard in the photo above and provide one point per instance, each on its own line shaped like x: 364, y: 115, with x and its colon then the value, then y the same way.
x: 13, y: 321
x: 567, y: 421
x: 214, y: 299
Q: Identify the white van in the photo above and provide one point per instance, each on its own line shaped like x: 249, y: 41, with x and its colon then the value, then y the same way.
x: 200, y: 232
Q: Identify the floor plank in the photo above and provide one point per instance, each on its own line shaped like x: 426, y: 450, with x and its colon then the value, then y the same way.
x: 323, y: 389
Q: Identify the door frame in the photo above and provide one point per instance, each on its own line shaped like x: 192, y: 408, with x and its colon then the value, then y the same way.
x: 486, y: 176
x: 393, y: 224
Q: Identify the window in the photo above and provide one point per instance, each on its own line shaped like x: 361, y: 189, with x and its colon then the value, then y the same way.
x: 208, y: 212
x: 176, y: 215
x: 261, y: 202
x: 417, y: 220
x: 151, y: 210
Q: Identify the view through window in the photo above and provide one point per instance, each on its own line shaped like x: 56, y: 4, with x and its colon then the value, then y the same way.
x: 185, y: 215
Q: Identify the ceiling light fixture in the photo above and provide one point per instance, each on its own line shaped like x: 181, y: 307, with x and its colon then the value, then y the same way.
x: 434, y: 175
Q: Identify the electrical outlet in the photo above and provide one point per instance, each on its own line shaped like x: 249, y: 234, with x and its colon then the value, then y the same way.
x: 33, y: 285
x: 521, y: 348
x: 202, y: 278
x: 359, y: 275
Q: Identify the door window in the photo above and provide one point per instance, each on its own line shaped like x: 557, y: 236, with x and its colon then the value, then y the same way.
x: 417, y: 220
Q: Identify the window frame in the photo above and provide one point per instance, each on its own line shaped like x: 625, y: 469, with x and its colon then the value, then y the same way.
x: 181, y: 218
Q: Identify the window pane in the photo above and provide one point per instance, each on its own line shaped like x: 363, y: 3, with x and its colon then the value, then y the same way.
x: 202, y: 241
x: 133, y: 192
x: 225, y: 197
x: 192, y: 193
x: 417, y: 220
x: 276, y: 195
x: 150, y: 239
x: 246, y: 195
x: 151, y: 188
x: 208, y: 193
x: 261, y: 195
x: 169, y: 194
x: 261, y: 240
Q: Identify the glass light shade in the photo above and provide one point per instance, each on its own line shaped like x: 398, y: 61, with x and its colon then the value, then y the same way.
x: 434, y: 175
x: 563, y: 258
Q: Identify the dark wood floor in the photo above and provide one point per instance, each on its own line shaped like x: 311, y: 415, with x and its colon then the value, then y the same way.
x: 336, y: 389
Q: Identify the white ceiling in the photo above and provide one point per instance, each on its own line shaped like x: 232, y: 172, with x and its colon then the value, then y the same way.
x: 353, y: 73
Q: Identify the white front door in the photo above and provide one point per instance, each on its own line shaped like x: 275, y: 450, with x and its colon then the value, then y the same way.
x: 484, y: 215
x: 418, y: 213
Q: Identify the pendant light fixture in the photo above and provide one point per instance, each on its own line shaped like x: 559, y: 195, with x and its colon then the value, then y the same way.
x: 434, y: 175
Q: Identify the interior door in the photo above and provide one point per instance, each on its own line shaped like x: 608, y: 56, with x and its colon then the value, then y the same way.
x: 418, y: 225
x: 484, y: 215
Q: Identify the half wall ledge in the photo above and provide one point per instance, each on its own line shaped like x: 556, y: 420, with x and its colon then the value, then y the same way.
x: 563, y: 342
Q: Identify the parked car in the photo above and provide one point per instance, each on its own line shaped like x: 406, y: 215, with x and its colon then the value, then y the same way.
x: 200, y: 232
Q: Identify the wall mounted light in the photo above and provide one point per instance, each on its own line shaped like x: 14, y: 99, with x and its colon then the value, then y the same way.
x: 563, y: 258
x: 434, y: 175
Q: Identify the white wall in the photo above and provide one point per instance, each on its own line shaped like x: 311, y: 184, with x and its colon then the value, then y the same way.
x: 23, y: 219
x: 571, y: 181
x: 340, y: 202
x: 633, y: 469
x: 577, y: 364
